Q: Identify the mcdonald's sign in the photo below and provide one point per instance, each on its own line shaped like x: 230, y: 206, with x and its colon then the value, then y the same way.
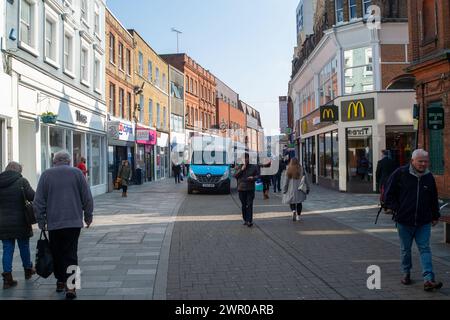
x: 357, y: 110
x: 329, y: 113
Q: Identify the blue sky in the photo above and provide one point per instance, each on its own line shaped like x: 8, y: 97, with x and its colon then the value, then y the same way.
x: 248, y: 44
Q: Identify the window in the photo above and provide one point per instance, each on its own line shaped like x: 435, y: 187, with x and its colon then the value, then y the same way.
x: 51, y: 36
x: 97, y: 20
x: 157, y: 76
x: 28, y: 26
x: 150, y: 112
x: 128, y: 58
x: 84, y: 10
x: 158, y: 119
x: 112, y: 48
x: 328, y: 82
x: 141, y: 64
x: 164, y: 82
x: 150, y: 71
x: 120, y: 56
x: 112, y: 99
x: 97, y: 75
x: 141, y: 108
x: 68, y: 52
x: 84, y: 65
x: 366, y: 5
x: 352, y: 9
x: 429, y: 21
x: 358, y: 70
x: 129, y: 115
x: 164, y: 117
x: 121, y: 102
x: 339, y: 11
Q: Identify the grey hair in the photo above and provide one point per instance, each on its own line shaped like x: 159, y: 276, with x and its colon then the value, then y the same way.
x: 419, y: 153
x: 14, y: 166
x: 62, y: 157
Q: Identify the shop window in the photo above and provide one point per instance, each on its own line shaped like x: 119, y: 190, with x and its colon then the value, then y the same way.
x: 96, y: 163
x: 335, y: 154
x: 359, y: 159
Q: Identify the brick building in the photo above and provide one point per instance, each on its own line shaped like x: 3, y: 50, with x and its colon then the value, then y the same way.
x: 200, y: 92
x: 429, y: 23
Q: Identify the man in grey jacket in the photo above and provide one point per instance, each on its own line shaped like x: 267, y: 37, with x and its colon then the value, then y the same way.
x: 62, y: 197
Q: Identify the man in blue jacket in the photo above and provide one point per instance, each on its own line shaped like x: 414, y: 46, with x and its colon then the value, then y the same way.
x: 411, y: 194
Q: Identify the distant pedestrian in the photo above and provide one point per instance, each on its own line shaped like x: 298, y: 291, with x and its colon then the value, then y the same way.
x: 276, y: 178
x: 176, y: 169
x: 246, y: 176
x: 266, y: 177
x: 411, y: 194
x: 82, y: 166
x: 385, y: 167
x: 13, y: 224
x: 63, y: 199
x: 362, y: 168
x: 296, y: 187
x: 124, y: 175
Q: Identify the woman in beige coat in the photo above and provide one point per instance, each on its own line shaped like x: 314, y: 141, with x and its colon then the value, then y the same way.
x: 295, y: 179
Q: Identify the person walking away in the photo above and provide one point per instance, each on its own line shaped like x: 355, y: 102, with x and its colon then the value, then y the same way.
x: 246, y: 176
x: 82, y: 166
x: 63, y: 200
x: 385, y: 167
x: 125, y: 177
x: 266, y: 178
x: 411, y: 193
x: 296, y: 179
x: 13, y: 224
x: 276, y: 179
x: 176, y: 168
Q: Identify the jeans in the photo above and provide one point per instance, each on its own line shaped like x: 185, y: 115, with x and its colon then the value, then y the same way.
x: 276, y: 180
x: 177, y: 177
x: 246, y: 198
x: 422, y: 236
x: 64, y: 248
x: 8, y: 253
x: 297, y: 207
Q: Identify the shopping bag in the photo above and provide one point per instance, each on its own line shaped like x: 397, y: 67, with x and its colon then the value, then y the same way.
x: 118, y: 184
x: 44, y: 258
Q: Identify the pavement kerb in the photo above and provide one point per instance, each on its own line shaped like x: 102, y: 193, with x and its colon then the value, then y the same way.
x: 160, y: 287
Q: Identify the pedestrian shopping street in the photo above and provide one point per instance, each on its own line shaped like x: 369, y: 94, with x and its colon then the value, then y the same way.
x: 161, y: 243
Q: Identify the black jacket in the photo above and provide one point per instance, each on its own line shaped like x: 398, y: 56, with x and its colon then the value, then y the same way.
x: 414, y: 200
x: 244, y: 184
x: 385, y: 168
x: 12, y: 206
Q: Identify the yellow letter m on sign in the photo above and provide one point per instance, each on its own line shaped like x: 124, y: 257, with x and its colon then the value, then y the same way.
x: 356, y: 107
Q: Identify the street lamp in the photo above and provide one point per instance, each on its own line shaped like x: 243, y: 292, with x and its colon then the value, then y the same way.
x: 178, y: 33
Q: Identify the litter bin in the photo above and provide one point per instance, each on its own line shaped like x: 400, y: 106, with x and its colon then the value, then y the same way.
x: 139, y: 176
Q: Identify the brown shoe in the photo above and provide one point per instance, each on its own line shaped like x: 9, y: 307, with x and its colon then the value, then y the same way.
x: 60, y: 286
x: 29, y: 272
x: 8, y: 281
x: 71, y: 294
x: 432, y: 285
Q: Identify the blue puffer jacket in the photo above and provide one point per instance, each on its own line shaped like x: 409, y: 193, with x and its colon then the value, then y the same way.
x: 414, y: 199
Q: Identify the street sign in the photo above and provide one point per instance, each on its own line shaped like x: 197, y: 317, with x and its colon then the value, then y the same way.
x: 328, y: 113
x: 435, y: 118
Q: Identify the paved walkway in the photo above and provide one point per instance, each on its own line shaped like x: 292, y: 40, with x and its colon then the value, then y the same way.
x: 124, y: 254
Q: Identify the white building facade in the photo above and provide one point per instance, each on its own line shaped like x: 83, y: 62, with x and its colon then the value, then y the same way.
x: 345, y: 74
x: 56, y: 63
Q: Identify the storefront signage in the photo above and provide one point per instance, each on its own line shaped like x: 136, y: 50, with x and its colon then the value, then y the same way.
x: 146, y: 136
x: 359, y: 132
x: 163, y: 139
x: 120, y: 131
x: 435, y: 118
x: 357, y: 110
x: 329, y: 113
x: 304, y: 126
x: 316, y: 121
x: 81, y: 117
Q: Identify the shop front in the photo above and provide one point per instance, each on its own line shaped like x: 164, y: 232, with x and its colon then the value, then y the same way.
x: 162, y: 156
x: 121, y: 146
x: 145, y: 156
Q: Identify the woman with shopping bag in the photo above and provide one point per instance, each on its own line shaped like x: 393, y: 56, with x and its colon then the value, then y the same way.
x: 296, y: 187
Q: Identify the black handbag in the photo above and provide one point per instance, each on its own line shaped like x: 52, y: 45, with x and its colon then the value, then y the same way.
x: 44, y: 258
x: 29, y: 210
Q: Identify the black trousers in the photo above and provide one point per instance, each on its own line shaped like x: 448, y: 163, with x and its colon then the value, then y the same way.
x: 124, y: 188
x: 177, y: 177
x: 247, y: 198
x: 266, y: 183
x: 298, y: 207
x: 276, y: 181
x: 64, y: 248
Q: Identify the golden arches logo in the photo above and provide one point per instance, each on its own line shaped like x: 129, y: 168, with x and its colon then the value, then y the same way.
x: 328, y: 114
x: 355, y: 107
